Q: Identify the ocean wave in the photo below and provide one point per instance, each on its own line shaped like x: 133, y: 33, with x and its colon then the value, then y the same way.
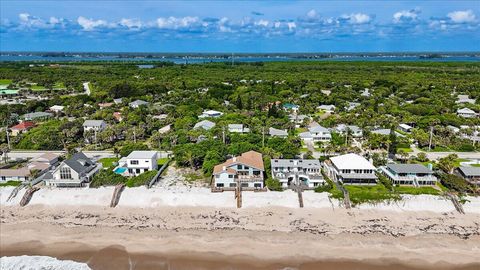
x: 39, y: 263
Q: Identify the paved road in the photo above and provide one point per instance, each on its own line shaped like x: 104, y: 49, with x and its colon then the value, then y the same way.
x: 27, y: 154
x: 438, y: 155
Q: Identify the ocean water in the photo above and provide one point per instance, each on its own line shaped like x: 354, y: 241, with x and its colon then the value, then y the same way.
x: 39, y: 263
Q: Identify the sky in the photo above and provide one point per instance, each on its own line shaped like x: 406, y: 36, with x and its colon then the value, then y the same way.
x: 239, y: 26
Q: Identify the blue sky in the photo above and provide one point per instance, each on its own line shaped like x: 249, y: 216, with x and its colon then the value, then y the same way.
x: 239, y: 26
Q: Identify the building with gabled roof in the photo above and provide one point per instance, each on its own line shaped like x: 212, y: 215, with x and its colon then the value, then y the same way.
x: 22, y: 127
x: 351, y: 169
x: 466, y: 113
x: 76, y: 171
x: 204, y: 124
x: 409, y: 174
x: 247, y: 170
x: 282, y: 133
x: 303, y: 172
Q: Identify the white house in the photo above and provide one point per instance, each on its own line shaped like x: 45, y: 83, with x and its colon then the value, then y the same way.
x: 137, y: 162
x: 165, y: 129
x: 57, y: 108
x: 238, y: 128
x: 118, y: 101
x: 95, y: 125
x: 305, y: 172
x: 316, y: 133
x: 40, y: 164
x: 210, y: 113
x: 298, y: 119
x: 405, y: 128
x: 409, y: 174
x: 282, y: 133
x: 351, y: 106
x: 351, y: 169
x: 327, y: 108
x: 464, y: 99
x: 76, y: 171
x: 204, y: 124
x: 466, y: 113
x: 246, y: 169
x: 137, y: 104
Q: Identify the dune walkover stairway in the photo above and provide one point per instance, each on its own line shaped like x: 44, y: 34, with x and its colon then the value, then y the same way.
x: 116, y: 194
x: 28, y: 195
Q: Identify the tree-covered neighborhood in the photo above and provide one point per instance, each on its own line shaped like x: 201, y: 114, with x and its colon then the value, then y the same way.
x: 415, y: 116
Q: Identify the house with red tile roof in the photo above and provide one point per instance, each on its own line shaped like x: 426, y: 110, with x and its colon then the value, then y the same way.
x: 246, y: 170
x: 22, y: 127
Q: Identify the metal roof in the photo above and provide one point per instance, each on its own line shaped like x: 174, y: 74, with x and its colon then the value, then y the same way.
x: 409, y: 168
x: 470, y: 171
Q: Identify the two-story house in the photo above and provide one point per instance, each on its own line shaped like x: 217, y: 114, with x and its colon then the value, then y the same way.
x: 76, y: 171
x: 137, y: 162
x: 304, y: 172
x: 316, y: 133
x: 409, y: 174
x: 351, y: 169
x: 246, y: 170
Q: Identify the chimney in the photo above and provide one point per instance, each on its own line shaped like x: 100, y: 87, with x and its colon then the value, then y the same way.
x: 224, y: 168
x: 234, y: 159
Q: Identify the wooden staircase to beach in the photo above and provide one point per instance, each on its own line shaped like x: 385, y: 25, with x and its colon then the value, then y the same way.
x: 238, y: 195
x: 458, y: 206
x: 346, y: 196
x: 28, y: 195
x: 15, y: 191
x: 116, y: 194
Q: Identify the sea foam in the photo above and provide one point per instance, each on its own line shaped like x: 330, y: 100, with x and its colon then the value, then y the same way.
x: 39, y: 263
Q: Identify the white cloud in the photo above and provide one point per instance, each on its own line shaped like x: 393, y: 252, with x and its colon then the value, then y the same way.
x: 262, y: 23
x: 175, y: 23
x: 54, y: 20
x: 312, y: 13
x: 31, y: 21
x: 358, y: 18
x: 291, y: 25
x: 130, y: 23
x: 462, y: 16
x: 406, y: 16
x: 90, y: 24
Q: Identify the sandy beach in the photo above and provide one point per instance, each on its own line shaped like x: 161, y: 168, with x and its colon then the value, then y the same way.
x: 169, y: 230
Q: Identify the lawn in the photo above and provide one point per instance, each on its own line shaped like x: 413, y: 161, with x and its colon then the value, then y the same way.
x: 406, y: 150
x: 373, y: 193
x: 5, y: 81
x: 59, y: 85
x: 38, y: 88
x: 162, y: 161
x: 460, y: 160
x: 416, y: 190
x: 475, y: 165
x: 11, y: 184
x: 108, y: 162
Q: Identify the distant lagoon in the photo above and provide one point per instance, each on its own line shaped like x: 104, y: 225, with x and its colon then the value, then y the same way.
x: 210, y: 59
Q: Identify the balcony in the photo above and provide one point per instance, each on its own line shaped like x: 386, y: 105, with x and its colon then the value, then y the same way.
x: 248, y: 178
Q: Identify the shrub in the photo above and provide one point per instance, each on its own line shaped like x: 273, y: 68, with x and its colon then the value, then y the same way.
x: 106, y: 178
x: 141, y: 179
x: 385, y: 181
x: 324, y: 188
x: 274, y: 184
x: 454, y: 182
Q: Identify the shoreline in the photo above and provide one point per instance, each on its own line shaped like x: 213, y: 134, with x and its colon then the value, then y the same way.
x: 273, y: 237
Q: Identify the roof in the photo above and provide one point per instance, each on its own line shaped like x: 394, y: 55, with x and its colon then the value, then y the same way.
x: 465, y: 110
x: 405, y: 126
x: 250, y: 158
x: 470, y: 171
x: 235, y: 126
x: 138, y: 102
x: 79, y: 163
x: 319, y: 128
x: 205, y: 124
x: 409, y: 168
x: 343, y: 127
x: 57, y: 107
x: 46, y: 157
x: 23, y: 126
x: 142, y: 155
x: 305, y: 135
x: 15, y: 172
x: 304, y: 163
x: 165, y: 129
x: 277, y: 132
x: 37, y: 115
x: 352, y: 161
x: 326, y: 107
x: 93, y: 123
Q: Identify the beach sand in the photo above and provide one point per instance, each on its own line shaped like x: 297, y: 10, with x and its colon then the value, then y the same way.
x: 192, y: 228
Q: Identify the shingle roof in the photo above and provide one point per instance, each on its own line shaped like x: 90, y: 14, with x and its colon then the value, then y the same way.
x: 79, y: 163
x: 409, y: 168
x: 470, y: 171
x: 250, y: 158
x: 93, y: 123
x: 23, y: 126
x: 277, y: 132
x: 205, y: 124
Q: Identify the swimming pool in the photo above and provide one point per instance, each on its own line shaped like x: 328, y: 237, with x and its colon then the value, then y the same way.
x: 120, y: 170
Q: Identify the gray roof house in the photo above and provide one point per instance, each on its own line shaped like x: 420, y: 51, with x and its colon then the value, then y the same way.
x: 409, y: 174
x: 96, y: 125
x: 471, y: 174
x: 278, y: 132
x: 304, y: 172
x: 204, y: 124
x: 137, y: 103
x: 76, y: 171
x: 36, y: 116
x: 356, y: 131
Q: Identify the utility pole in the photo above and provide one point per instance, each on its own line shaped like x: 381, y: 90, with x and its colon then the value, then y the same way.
x: 8, y: 137
x: 134, y: 135
x: 223, y: 134
x: 263, y: 137
x: 430, y: 140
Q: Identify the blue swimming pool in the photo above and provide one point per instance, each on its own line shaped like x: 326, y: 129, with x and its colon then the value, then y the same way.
x: 120, y: 170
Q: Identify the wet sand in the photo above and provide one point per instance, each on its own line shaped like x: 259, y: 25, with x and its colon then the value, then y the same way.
x: 263, y: 238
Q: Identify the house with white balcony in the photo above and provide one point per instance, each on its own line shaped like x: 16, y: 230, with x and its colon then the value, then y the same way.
x: 316, y: 133
x: 351, y: 169
x: 76, y: 171
x: 409, y: 174
x: 299, y: 172
x: 137, y: 162
x: 246, y: 170
x: 95, y: 125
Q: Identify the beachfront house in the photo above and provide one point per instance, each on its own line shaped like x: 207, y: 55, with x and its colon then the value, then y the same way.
x: 246, y: 170
x: 210, y: 113
x: 137, y: 104
x: 355, y: 131
x: 36, y: 116
x: 409, y: 174
x: 95, y: 125
x: 471, y: 174
x: 22, y: 128
x: 282, y: 133
x: 34, y: 168
x: 204, y: 124
x: 466, y: 113
x: 351, y: 169
x: 238, y: 128
x: 300, y: 172
x: 76, y: 171
x: 137, y: 162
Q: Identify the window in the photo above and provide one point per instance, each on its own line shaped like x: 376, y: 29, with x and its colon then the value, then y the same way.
x: 65, y: 173
x: 257, y: 185
x: 256, y: 173
x: 246, y: 167
x: 244, y: 184
x: 230, y: 176
x: 239, y: 167
x: 219, y: 184
x: 133, y: 162
x: 233, y: 184
x: 137, y: 171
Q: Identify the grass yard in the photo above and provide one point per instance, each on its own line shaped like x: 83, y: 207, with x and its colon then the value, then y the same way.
x: 416, y: 190
x: 460, y: 160
x: 475, y: 165
x: 406, y: 150
x: 11, y: 184
x: 38, y: 88
x: 59, y: 85
x: 108, y: 162
x: 370, y: 194
x: 161, y: 161
x: 5, y: 81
